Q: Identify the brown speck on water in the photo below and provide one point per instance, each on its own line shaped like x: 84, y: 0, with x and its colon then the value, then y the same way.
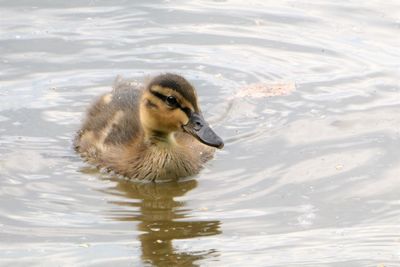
x: 258, y: 90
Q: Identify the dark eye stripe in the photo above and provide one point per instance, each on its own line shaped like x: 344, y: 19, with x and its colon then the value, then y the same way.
x: 165, y: 99
x: 160, y: 96
x: 187, y: 111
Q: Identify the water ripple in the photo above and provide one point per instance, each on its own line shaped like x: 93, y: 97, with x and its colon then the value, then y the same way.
x: 307, y: 178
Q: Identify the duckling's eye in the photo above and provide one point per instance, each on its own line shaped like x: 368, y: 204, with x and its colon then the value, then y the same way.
x: 171, y: 101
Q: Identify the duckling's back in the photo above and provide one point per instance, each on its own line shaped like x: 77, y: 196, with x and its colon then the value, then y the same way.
x: 112, y: 120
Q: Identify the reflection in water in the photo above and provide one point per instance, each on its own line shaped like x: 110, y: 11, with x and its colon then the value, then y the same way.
x: 159, y: 217
x: 306, y: 179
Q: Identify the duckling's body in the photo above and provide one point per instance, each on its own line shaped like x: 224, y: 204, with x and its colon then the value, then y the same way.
x: 137, y: 132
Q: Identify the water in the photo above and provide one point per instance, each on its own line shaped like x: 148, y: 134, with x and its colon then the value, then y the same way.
x: 305, y: 179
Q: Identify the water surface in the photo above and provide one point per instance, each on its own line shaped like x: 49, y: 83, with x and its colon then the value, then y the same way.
x: 306, y: 179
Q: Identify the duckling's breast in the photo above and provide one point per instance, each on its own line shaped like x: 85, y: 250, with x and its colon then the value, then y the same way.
x: 158, y: 162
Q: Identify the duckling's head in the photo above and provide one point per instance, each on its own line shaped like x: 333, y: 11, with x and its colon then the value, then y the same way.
x: 169, y: 104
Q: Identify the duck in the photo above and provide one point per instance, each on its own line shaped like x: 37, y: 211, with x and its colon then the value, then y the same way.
x: 152, y: 132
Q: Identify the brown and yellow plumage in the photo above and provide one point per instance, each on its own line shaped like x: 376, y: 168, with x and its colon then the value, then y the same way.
x: 149, y: 132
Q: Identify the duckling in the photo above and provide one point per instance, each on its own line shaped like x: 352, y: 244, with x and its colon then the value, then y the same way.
x: 155, y: 132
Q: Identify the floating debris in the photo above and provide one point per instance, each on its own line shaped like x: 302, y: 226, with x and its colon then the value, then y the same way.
x: 339, y: 167
x: 258, y: 90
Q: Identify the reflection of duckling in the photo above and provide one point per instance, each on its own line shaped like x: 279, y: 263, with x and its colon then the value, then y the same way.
x: 148, y: 133
x: 162, y: 219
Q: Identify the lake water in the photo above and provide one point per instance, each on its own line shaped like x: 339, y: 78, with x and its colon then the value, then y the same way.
x: 305, y: 179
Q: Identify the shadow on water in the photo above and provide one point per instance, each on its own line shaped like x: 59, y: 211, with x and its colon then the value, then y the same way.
x: 162, y: 219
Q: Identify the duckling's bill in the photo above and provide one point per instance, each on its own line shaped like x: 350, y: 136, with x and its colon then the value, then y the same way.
x: 202, y: 131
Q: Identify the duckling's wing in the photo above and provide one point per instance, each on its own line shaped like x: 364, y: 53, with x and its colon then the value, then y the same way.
x: 125, y: 105
x: 114, y: 117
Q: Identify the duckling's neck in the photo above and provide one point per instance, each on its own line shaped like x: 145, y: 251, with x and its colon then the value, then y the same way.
x: 160, y: 138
